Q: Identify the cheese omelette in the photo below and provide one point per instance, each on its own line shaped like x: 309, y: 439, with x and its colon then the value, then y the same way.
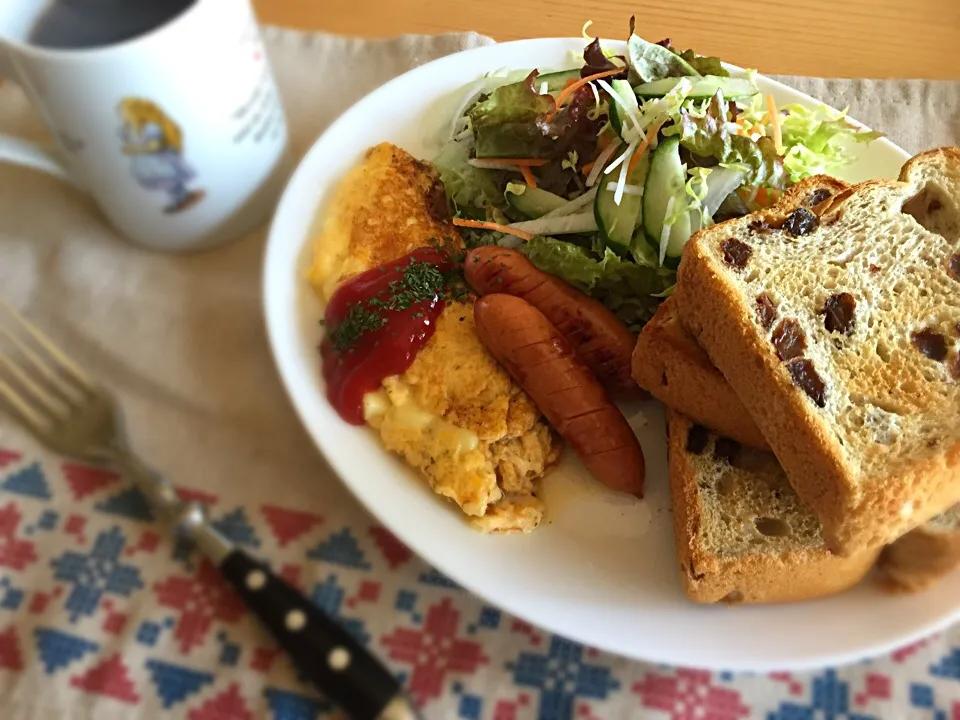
x: 454, y: 415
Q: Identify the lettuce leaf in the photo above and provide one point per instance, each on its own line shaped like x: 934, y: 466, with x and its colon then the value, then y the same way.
x: 632, y: 290
x: 471, y: 190
x: 505, y: 121
x: 650, y: 61
x: 705, y: 65
x: 595, y: 61
x: 816, y: 139
x: 709, y: 134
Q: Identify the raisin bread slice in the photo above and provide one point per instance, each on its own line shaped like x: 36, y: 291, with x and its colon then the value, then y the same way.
x: 923, y: 556
x: 838, y: 329
x: 669, y: 364
x: 742, y: 534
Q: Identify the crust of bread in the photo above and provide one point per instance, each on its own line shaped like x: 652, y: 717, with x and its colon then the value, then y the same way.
x: 669, y: 364
x: 800, y: 574
x: 922, y: 556
x: 855, y: 514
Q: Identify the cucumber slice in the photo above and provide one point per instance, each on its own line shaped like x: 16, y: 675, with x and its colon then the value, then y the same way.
x: 617, y: 222
x: 665, y: 181
x: 532, y: 202
x: 704, y: 87
x: 619, y: 119
x: 556, y: 80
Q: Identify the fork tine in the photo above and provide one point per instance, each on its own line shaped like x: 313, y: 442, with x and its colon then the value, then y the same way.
x: 51, y: 349
x: 27, y: 415
x: 43, y: 367
x: 54, y: 404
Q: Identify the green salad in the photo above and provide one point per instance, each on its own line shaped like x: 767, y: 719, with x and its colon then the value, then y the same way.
x: 601, y: 172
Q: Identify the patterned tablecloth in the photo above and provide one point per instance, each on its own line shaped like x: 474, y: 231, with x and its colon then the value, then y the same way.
x: 102, y: 616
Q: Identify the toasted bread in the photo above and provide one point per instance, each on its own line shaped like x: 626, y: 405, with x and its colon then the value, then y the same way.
x: 838, y: 330
x: 669, y: 364
x: 742, y: 534
x: 924, y: 555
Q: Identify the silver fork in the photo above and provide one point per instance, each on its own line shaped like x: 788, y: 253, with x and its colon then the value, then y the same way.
x: 70, y: 413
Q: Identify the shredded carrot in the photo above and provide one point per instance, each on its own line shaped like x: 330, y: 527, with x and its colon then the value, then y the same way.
x: 775, y: 121
x: 588, y: 167
x: 571, y: 88
x: 480, y: 225
x: 651, y: 134
x: 529, y: 162
x: 528, y: 176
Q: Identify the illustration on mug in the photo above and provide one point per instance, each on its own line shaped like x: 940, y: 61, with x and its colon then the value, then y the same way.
x: 154, y: 143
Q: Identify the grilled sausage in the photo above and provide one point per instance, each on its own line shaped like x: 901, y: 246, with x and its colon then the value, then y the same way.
x: 603, y: 342
x: 542, y: 362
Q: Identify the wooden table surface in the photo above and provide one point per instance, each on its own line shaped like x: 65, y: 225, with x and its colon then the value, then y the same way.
x: 830, y: 38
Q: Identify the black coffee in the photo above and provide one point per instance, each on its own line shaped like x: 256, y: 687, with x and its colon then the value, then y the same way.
x: 93, y: 23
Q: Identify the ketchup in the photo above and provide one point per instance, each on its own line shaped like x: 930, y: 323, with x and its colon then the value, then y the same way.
x: 396, y: 323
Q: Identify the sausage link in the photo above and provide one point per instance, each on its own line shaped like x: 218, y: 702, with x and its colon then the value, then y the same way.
x: 543, y: 363
x: 603, y: 342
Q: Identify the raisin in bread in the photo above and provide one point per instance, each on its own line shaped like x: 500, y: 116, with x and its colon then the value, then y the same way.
x: 669, y: 364
x: 838, y: 329
x: 742, y: 534
x: 923, y: 556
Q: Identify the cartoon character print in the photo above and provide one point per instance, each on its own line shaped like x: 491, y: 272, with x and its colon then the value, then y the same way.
x: 154, y: 143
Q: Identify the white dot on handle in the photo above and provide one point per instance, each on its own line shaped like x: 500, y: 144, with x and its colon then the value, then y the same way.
x: 338, y: 659
x: 256, y: 579
x: 295, y: 620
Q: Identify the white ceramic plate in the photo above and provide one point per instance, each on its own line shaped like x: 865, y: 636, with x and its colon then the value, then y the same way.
x: 602, y: 568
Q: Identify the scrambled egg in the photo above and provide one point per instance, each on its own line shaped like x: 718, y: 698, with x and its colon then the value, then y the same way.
x: 454, y: 415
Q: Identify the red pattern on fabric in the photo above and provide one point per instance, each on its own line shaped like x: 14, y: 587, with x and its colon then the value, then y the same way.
x: 8, y: 457
x: 876, y: 687
x: 369, y: 591
x: 394, y: 551
x: 201, y: 599
x: 39, y: 602
x: 906, y: 651
x: 690, y: 695
x: 291, y: 573
x: 505, y: 710
x: 228, y: 705
x: 288, y: 525
x: 75, y: 525
x: 434, y: 651
x: 15, y: 553
x: 110, y: 678
x: 263, y: 658
x: 10, y: 656
x: 114, y: 623
x: 193, y: 495
x: 85, y: 480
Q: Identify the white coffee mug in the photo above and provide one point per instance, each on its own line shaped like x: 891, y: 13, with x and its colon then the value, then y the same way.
x: 178, y: 132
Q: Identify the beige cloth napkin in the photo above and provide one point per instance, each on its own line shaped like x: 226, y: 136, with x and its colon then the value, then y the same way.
x: 181, y: 338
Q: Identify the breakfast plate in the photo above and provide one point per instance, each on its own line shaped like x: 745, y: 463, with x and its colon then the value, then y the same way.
x: 601, y: 569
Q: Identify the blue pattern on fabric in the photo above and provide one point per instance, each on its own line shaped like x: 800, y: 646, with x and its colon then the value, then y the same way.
x: 235, y: 526
x: 438, y: 579
x: 30, y: 482
x: 489, y: 618
x: 58, y: 649
x: 830, y: 700
x: 291, y: 706
x: 470, y: 707
x: 48, y: 520
x: 406, y: 600
x: 175, y: 683
x: 561, y: 676
x: 921, y: 695
x: 129, y: 503
x: 97, y: 573
x: 229, y: 654
x: 328, y: 596
x: 148, y: 633
x: 948, y: 666
x: 12, y: 599
x: 341, y: 548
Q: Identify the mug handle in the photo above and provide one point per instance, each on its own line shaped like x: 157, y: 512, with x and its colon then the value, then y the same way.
x: 21, y: 152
